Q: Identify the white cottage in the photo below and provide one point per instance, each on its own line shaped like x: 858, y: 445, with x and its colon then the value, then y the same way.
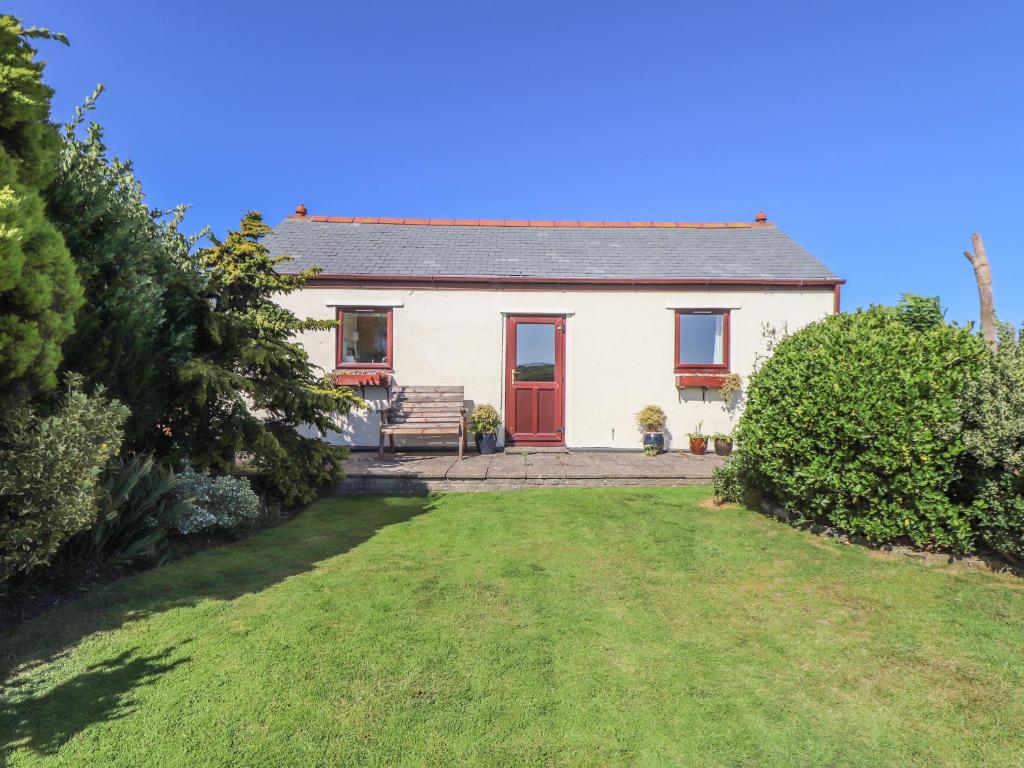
x: 567, y: 327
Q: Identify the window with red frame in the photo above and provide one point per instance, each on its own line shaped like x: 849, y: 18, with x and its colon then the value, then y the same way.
x: 364, y: 338
x: 702, y: 340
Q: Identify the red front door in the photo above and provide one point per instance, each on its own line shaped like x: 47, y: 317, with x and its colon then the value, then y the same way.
x: 535, y: 380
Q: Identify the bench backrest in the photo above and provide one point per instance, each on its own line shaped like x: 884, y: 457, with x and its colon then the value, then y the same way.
x: 410, y: 405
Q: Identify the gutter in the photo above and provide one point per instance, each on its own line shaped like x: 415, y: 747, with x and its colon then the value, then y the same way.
x: 330, y: 280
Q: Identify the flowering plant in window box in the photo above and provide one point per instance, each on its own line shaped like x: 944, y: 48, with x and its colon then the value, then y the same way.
x: 360, y: 378
x: 703, y: 380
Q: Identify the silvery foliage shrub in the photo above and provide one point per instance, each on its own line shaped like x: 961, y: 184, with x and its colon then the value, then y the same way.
x: 994, y: 437
x: 219, y: 502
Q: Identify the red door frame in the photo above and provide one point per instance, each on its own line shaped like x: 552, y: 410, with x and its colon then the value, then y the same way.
x: 512, y: 427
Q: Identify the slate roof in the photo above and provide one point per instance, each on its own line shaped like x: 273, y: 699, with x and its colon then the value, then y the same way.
x: 585, y: 250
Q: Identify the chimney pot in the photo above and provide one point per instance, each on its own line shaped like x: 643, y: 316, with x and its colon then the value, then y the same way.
x: 761, y: 217
x: 300, y: 209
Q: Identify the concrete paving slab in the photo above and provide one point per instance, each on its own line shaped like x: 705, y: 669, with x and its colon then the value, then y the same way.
x: 545, y: 466
x: 399, y: 464
x: 507, y: 466
x: 471, y: 468
x: 586, y: 465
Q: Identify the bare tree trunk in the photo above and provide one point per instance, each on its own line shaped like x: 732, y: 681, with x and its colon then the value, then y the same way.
x: 983, y: 274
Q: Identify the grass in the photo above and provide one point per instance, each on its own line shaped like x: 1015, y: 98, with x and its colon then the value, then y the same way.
x: 595, y: 627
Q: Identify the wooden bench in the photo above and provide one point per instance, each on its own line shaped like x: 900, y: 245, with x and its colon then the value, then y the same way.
x: 424, y: 411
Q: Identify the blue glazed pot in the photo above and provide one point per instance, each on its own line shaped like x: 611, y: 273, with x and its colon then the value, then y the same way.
x: 655, y: 438
x: 486, y: 442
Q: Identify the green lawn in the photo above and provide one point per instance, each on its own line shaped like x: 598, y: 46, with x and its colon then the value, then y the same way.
x: 632, y: 627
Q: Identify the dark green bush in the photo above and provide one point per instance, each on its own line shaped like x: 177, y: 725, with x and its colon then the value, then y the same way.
x: 138, y: 510
x: 728, y: 481
x: 49, y: 467
x: 143, y: 298
x: 293, y: 466
x: 857, y: 420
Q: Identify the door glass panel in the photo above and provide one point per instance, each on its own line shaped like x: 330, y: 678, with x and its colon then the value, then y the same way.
x: 535, y: 352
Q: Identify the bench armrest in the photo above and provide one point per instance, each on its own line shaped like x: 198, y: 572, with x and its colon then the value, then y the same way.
x: 385, y: 415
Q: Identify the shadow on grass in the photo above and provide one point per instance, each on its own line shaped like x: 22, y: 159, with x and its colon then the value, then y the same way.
x: 43, y: 723
x: 329, y: 527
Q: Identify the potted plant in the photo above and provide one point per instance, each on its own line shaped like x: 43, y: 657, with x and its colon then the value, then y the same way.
x: 698, y: 441
x: 651, y: 420
x: 484, y: 423
x: 723, y: 443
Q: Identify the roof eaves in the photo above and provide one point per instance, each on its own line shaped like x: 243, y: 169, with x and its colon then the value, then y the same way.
x: 531, y: 223
x: 711, y: 282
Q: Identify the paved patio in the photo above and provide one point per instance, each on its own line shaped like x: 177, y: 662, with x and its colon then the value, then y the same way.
x: 415, y: 471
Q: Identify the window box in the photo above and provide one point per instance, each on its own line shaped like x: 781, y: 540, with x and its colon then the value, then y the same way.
x: 702, y: 380
x: 355, y: 378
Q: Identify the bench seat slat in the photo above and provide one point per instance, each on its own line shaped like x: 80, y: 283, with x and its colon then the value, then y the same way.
x: 455, y: 397
x: 426, y: 407
x: 408, y: 429
x: 425, y: 423
x: 435, y: 419
x: 400, y: 412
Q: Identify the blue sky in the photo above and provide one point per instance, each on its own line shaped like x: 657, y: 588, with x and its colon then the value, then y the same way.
x: 878, y: 134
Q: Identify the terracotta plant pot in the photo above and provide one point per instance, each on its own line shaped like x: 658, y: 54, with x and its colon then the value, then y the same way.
x: 698, y: 445
x: 723, y: 446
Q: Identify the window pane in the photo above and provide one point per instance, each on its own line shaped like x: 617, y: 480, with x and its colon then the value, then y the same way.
x: 364, y: 337
x: 700, y: 339
x: 535, y: 352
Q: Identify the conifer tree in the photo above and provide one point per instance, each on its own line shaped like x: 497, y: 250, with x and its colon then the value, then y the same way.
x: 250, y: 390
x: 39, y: 290
x: 142, y: 286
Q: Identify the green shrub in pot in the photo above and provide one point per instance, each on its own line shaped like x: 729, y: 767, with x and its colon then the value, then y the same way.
x: 485, y: 423
x: 651, y: 420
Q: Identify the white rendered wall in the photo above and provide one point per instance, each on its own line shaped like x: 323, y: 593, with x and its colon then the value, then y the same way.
x: 620, y: 347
